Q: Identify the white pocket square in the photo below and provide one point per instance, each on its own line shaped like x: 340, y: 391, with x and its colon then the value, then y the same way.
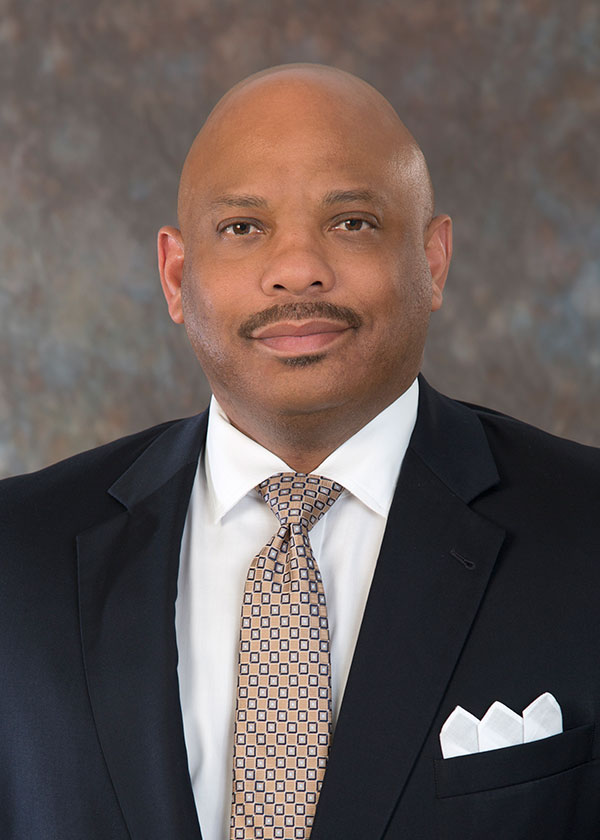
x: 463, y: 733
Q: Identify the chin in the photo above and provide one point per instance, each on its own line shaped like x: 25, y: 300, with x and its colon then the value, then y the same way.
x: 303, y: 361
x: 306, y: 402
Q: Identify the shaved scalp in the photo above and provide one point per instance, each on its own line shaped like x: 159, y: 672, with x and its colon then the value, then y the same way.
x: 299, y: 94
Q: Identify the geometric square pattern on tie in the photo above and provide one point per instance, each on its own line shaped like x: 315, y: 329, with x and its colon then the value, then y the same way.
x: 283, y: 707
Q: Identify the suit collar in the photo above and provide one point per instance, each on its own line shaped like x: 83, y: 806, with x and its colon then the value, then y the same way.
x: 451, y: 442
x: 127, y: 568
x: 433, y: 569
x: 174, y: 449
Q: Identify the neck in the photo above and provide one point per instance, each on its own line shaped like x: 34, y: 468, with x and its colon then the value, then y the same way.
x: 302, y: 440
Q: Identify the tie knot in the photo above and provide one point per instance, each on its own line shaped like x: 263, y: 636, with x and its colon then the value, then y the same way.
x: 297, y: 498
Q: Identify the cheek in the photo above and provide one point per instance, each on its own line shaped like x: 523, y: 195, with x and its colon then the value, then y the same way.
x: 413, y: 285
x: 213, y: 292
x: 401, y: 307
x: 199, y: 299
x: 400, y: 294
x: 200, y: 318
x: 212, y: 317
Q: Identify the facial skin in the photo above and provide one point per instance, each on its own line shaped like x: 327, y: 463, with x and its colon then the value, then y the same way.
x: 307, y: 261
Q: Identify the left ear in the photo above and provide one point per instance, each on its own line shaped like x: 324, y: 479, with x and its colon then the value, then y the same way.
x: 438, y: 250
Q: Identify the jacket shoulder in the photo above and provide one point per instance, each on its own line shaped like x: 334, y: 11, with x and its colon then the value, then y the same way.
x: 77, y: 483
x: 475, y: 449
x: 524, y: 445
x: 548, y: 484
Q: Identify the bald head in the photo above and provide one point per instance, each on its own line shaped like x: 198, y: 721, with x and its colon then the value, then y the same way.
x: 307, y: 100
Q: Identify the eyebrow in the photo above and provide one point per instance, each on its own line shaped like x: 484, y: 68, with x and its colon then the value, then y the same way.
x: 330, y: 198
x: 343, y: 196
x: 230, y: 200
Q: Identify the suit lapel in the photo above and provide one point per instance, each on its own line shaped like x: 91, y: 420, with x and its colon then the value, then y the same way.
x: 127, y: 588
x: 432, y: 572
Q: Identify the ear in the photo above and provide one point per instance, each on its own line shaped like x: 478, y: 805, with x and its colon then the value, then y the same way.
x: 170, y: 266
x: 438, y: 250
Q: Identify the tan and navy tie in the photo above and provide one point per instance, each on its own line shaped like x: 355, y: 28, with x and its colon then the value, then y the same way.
x: 283, y: 711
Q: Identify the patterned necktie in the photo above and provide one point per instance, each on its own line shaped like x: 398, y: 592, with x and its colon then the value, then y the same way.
x: 283, y: 712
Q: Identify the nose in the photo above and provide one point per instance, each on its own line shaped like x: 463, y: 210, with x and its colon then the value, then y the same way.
x: 298, y: 266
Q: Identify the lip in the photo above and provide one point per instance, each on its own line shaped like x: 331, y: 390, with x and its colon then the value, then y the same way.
x: 300, y: 337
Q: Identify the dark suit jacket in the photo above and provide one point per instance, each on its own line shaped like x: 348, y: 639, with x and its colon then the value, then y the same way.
x: 487, y: 588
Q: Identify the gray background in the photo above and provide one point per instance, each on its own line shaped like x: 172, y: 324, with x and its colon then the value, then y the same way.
x: 100, y: 100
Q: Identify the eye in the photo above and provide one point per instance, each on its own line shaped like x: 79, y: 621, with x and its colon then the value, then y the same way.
x: 240, y: 228
x: 353, y: 224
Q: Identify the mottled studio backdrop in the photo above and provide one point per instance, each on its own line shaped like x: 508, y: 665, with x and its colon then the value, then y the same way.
x: 100, y: 99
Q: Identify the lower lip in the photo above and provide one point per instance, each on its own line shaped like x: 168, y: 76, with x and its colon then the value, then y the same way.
x: 301, y: 344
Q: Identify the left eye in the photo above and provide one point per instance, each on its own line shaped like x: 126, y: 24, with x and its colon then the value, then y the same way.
x: 239, y: 228
x: 352, y: 225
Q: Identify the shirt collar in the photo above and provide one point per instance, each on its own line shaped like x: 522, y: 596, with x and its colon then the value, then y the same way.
x: 367, y: 464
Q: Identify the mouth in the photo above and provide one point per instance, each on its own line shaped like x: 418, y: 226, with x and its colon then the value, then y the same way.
x: 293, y: 338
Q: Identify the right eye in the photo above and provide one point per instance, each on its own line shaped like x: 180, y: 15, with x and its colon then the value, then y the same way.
x: 240, y: 228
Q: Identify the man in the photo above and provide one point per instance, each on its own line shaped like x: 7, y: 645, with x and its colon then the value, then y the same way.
x: 426, y: 554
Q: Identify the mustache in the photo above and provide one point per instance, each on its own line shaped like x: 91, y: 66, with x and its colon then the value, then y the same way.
x: 299, y: 312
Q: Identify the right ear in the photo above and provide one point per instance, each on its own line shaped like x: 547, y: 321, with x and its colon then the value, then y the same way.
x: 170, y: 266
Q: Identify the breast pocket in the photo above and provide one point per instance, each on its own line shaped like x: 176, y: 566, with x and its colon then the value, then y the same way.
x: 547, y: 789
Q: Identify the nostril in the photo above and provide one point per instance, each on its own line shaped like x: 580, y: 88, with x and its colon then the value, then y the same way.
x: 286, y: 286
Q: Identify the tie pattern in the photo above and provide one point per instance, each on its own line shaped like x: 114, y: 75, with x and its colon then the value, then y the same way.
x: 283, y: 711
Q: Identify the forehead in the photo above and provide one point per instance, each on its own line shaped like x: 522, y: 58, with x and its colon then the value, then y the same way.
x: 289, y: 135
x: 304, y: 100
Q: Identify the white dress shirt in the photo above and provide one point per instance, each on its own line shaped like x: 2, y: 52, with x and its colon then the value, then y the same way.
x: 227, y: 524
